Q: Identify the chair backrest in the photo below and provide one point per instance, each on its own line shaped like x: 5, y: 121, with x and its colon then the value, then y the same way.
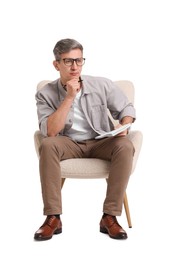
x: 42, y: 83
x: 128, y: 88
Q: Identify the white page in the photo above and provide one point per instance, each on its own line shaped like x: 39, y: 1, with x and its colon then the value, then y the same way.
x: 114, y: 132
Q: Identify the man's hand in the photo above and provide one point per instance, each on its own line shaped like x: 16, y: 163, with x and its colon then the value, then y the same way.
x: 125, y: 120
x: 73, y: 86
x: 124, y: 133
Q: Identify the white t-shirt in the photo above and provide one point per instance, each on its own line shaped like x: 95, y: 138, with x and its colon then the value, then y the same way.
x: 80, y: 130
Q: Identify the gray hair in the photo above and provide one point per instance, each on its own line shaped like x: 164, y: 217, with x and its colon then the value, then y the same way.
x: 65, y: 45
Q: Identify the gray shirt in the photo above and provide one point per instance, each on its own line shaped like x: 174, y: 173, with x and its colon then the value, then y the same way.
x: 98, y: 95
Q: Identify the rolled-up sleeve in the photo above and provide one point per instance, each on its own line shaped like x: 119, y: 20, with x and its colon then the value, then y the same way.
x: 119, y: 105
x: 44, y: 110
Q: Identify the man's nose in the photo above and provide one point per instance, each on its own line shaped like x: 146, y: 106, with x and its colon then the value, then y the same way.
x: 74, y: 65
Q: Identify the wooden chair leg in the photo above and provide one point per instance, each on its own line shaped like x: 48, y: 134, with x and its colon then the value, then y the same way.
x: 62, y: 182
x: 126, y: 206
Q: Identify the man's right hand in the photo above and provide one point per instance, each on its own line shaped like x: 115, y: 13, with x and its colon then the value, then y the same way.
x: 73, y: 86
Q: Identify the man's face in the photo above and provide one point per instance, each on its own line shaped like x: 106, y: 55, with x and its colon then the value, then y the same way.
x: 69, y: 72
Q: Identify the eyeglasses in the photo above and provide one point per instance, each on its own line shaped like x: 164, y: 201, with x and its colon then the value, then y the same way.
x: 69, y: 61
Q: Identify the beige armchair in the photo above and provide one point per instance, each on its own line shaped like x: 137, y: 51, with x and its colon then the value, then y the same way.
x: 91, y: 167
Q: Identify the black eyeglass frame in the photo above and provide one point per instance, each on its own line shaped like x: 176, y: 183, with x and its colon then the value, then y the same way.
x: 72, y: 61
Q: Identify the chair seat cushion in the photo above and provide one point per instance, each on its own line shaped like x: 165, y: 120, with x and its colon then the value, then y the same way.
x: 85, y: 168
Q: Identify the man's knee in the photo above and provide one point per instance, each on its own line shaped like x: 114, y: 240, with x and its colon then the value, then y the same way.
x: 47, y: 142
x: 56, y: 144
x: 124, y: 144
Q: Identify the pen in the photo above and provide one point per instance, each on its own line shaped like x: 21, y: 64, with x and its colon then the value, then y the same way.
x: 80, y: 80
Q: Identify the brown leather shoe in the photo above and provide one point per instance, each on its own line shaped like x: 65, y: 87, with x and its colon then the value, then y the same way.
x: 110, y: 226
x: 51, y: 226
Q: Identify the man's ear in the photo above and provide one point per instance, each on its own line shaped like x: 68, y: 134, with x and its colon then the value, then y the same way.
x: 55, y: 64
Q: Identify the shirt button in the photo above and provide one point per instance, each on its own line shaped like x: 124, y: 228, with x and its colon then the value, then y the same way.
x: 70, y: 121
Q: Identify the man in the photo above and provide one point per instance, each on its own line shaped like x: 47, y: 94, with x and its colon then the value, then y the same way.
x: 72, y: 111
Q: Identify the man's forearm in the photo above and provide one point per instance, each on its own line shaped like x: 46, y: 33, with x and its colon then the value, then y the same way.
x: 126, y: 120
x: 56, y: 121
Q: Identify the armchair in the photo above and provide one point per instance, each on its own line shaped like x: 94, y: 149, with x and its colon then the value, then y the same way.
x: 96, y: 168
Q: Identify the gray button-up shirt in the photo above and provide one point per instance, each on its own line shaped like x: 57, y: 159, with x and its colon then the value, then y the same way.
x: 98, y: 95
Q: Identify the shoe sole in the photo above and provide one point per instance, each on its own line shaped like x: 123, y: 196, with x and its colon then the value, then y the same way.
x: 56, y: 232
x: 105, y: 231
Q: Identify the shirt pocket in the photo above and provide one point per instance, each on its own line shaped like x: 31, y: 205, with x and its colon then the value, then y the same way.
x: 99, y: 117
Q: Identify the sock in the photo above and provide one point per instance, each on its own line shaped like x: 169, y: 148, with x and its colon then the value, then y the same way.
x: 57, y: 215
x: 105, y: 214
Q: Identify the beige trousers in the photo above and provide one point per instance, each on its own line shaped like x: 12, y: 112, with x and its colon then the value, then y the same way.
x: 118, y: 150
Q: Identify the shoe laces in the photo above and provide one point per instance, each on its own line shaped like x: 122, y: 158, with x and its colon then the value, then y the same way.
x: 48, y: 221
x: 113, y: 222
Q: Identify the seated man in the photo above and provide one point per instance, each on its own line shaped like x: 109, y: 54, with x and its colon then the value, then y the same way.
x: 72, y: 111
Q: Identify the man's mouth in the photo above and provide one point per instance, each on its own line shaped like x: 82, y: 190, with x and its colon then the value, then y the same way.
x: 74, y: 74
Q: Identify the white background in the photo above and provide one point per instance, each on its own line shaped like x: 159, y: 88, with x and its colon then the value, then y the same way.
x: 133, y: 40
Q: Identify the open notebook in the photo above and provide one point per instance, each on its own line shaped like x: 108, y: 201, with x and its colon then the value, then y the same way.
x: 114, y: 132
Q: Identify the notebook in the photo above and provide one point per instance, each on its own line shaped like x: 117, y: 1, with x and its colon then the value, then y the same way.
x: 114, y: 132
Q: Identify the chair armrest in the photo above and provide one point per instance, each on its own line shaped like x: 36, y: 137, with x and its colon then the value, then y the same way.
x: 37, y: 140
x: 136, y: 137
